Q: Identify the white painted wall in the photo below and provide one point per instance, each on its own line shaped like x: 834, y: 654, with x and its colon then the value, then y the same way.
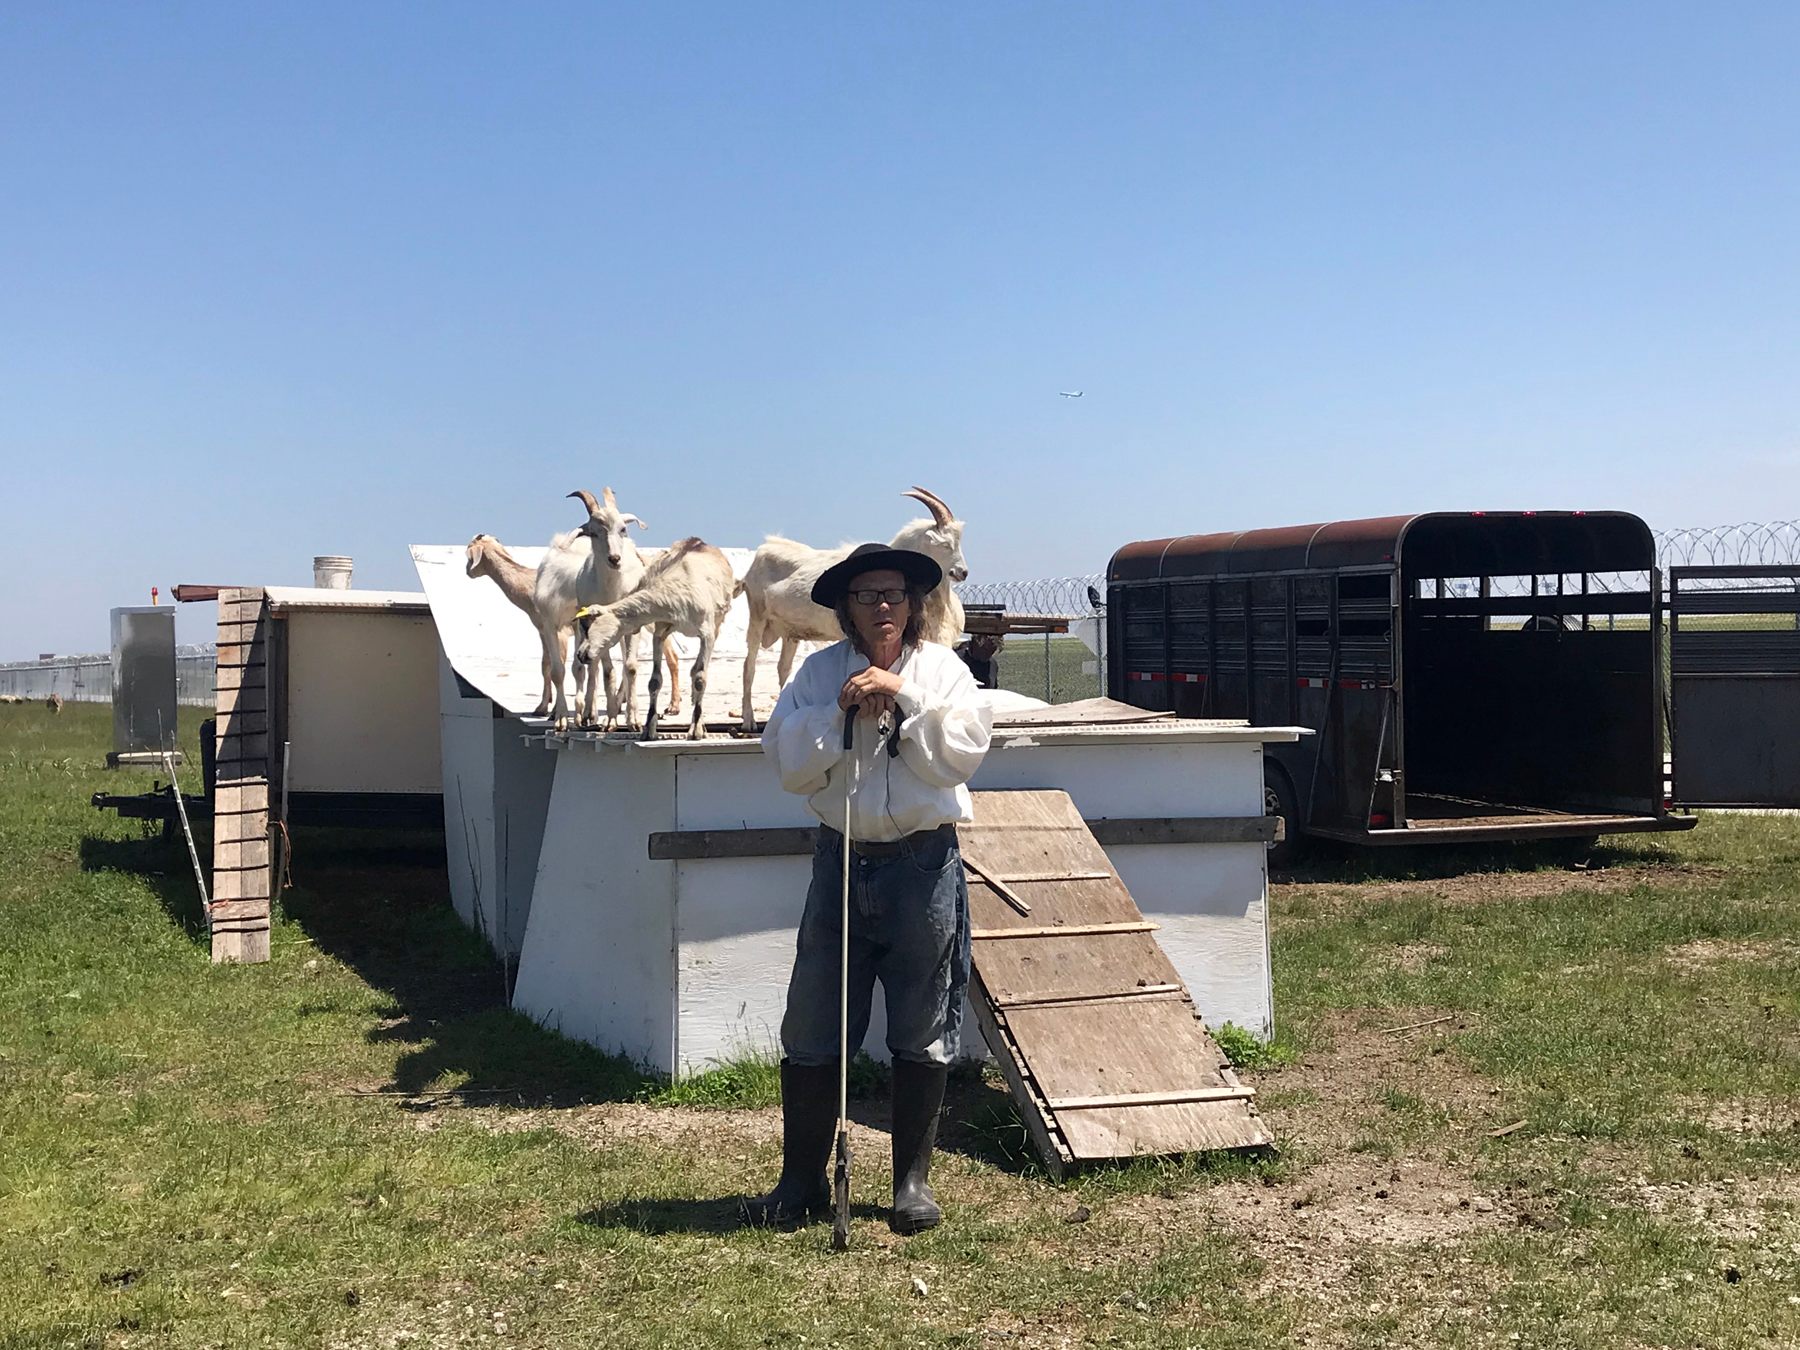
x: 598, y: 962
x: 684, y: 965
x: 496, y: 798
x: 359, y: 708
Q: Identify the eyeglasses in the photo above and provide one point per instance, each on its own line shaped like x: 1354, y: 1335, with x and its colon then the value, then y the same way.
x: 892, y: 597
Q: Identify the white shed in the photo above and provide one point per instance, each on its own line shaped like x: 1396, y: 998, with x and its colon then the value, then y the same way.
x: 680, y: 963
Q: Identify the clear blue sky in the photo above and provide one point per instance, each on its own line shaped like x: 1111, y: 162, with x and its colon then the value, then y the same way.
x: 298, y: 279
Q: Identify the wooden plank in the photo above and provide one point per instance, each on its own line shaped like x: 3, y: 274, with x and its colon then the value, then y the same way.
x: 1028, y: 877
x: 240, y: 854
x: 240, y: 796
x: 998, y: 886
x: 236, y: 826
x: 1185, y: 830
x: 1082, y: 712
x: 240, y: 654
x: 1052, y: 906
x: 241, y: 699
x: 689, y: 845
x: 244, y: 722
x: 245, y: 771
x: 242, y: 631
x: 1038, y: 1123
x: 1218, y: 1094
x: 233, y: 677
x: 1109, y: 1048
x: 1158, y: 1131
x: 222, y: 910
x: 236, y: 749
x: 247, y: 923
x: 1042, y: 998
x: 231, y: 947
x: 240, y: 883
x: 1105, y: 1050
x: 1066, y: 930
x: 1101, y: 1022
x: 682, y: 845
x: 1035, y: 970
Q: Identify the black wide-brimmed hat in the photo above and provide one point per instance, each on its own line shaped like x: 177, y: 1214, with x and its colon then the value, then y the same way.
x: 919, y: 569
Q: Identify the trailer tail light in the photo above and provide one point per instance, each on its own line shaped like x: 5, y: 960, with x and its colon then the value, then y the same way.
x: 1380, y: 820
x: 1668, y: 803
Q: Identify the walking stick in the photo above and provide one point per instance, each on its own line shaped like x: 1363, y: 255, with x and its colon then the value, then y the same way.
x: 840, y: 1180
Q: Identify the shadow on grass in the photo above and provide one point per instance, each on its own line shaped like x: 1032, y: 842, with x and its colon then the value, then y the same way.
x: 1326, y: 861
x: 981, y: 1121
x: 716, y: 1216
x: 380, y: 904
x: 164, y: 867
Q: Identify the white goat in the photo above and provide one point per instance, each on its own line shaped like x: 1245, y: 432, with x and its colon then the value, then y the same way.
x: 593, y: 565
x: 779, y: 585
x: 487, y: 557
x: 687, y: 590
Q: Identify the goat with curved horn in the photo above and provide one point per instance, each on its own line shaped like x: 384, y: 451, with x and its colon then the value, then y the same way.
x: 940, y: 513
x: 587, y: 499
x: 778, y: 592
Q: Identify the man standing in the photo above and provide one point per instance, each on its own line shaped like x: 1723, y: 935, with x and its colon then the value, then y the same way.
x: 909, y: 902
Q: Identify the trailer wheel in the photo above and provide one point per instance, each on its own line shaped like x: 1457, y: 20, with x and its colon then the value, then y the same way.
x: 1280, y: 801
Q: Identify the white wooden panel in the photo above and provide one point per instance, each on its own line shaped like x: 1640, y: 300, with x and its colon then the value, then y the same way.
x: 361, y: 716
x: 1212, y: 903
x: 598, y: 962
x: 523, y: 778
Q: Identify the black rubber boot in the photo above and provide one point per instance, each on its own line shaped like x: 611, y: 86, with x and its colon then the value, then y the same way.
x: 808, y: 1121
x: 918, y: 1097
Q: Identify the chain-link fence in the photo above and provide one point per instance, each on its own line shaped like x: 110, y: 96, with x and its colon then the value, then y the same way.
x: 1059, y: 668
x: 88, y: 679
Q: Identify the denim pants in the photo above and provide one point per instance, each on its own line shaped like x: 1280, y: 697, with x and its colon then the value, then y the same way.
x: 909, y: 928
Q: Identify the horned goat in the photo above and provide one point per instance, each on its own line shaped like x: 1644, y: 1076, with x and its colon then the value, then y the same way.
x: 488, y: 557
x: 687, y: 590
x: 778, y: 588
x: 593, y: 565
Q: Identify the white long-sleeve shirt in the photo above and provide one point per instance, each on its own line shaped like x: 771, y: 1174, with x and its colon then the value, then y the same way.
x: 944, y: 731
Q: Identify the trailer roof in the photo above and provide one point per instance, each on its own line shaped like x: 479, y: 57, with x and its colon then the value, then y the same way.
x: 1433, y: 543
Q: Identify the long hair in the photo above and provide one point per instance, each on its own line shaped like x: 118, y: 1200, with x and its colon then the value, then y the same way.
x: 909, y: 633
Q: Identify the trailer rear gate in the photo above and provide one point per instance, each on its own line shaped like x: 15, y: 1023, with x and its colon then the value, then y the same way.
x: 1734, y: 655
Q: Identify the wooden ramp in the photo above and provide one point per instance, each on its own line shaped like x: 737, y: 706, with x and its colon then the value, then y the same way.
x: 1093, y: 1029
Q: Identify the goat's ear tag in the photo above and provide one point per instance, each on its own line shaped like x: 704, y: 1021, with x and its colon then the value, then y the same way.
x: 586, y: 611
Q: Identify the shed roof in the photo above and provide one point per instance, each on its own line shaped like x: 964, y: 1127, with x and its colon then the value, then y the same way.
x: 1433, y: 543
x: 287, y: 599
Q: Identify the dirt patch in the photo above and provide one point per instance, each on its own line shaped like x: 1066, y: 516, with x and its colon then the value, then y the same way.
x: 1411, y: 957
x: 1705, y: 953
x: 1484, y: 887
x: 1759, y: 1117
x: 1756, y: 1210
x: 1347, y: 1200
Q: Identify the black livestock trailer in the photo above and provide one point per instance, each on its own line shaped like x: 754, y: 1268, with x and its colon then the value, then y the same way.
x: 1469, y: 675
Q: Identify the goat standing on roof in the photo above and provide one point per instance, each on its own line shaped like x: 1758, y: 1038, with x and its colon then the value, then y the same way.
x: 487, y: 557
x: 778, y: 589
x: 593, y: 565
x: 688, y: 590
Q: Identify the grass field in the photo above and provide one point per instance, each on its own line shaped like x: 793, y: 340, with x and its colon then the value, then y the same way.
x: 357, y: 1145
